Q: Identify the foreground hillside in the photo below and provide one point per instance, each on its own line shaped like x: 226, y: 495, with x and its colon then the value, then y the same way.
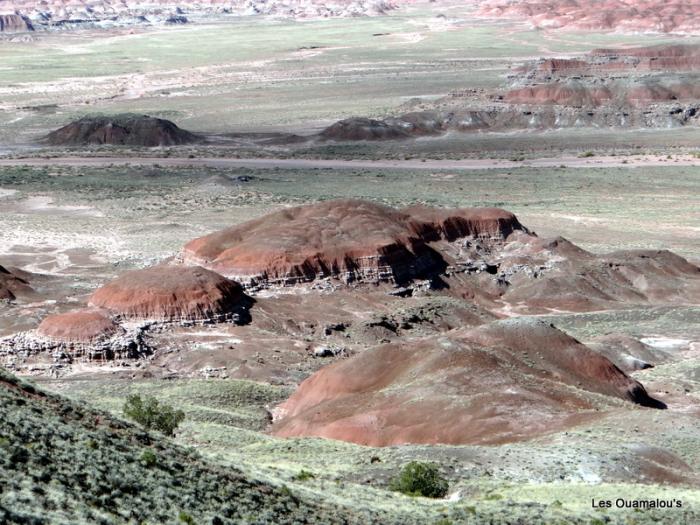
x: 63, y: 463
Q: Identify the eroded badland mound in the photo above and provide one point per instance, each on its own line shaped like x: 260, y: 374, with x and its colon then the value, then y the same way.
x: 83, y: 326
x: 502, y: 381
x: 399, y: 300
x: 170, y: 293
x: 120, y: 130
x: 348, y: 239
x: 483, y: 254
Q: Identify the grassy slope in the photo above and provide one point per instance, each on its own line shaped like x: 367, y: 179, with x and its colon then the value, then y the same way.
x: 64, y: 463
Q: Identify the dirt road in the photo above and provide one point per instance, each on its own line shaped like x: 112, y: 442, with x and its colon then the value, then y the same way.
x: 271, y: 163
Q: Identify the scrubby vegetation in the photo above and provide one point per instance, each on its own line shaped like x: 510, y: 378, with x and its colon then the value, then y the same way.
x: 65, y: 464
x: 421, y: 479
x: 152, y: 414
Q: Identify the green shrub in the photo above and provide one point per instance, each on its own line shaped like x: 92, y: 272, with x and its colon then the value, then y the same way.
x: 186, y: 518
x: 420, y: 479
x: 148, y: 458
x: 303, y: 475
x: 586, y: 155
x: 152, y: 414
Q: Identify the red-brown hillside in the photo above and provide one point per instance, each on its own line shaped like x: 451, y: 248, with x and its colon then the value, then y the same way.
x: 504, y: 381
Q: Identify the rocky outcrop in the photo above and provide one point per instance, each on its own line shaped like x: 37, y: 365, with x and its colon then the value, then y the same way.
x: 120, y: 130
x: 625, y: 94
x: 425, y: 316
x: 349, y: 240
x: 15, y: 23
x: 12, y: 285
x: 83, y: 335
x: 502, y: 381
x: 172, y: 294
x: 451, y: 224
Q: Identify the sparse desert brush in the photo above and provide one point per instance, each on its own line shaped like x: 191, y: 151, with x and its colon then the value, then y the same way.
x: 304, y: 475
x: 420, y: 479
x: 586, y: 154
x: 152, y: 414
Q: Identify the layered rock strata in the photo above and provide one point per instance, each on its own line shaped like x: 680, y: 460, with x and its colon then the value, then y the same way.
x: 172, y: 294
x: 349, y: 240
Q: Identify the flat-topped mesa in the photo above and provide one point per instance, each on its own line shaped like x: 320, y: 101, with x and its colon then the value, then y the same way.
x: 351, y: 240
x: 172, y: 294
x: 121, y: 130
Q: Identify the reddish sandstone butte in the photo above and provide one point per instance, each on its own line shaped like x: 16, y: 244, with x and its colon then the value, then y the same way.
x: 170, y: 293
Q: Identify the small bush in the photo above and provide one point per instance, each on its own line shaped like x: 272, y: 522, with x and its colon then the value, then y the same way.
x: 303, y: 475
x: 152, y: 414
x: 148, y: 458
x: 420, y: 479
x: 586, y: 154
x: 183, y: 517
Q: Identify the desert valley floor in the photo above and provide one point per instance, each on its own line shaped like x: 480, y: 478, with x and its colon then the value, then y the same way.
x: 344, y: 239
